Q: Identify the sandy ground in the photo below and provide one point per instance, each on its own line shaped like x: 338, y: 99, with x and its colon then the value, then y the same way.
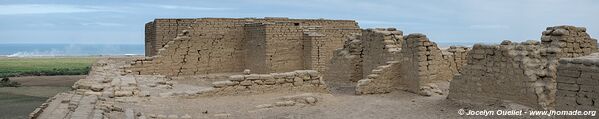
x: 341, y: 103
x: 20, y: 101
x: 395, y: 105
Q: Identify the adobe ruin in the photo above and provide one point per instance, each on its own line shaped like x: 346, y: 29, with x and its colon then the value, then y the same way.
x: 231, y: 45
x: 523, y: 73
x: 206, y: 61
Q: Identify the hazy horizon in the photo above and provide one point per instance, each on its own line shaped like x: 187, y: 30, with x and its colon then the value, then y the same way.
x: 122, y: 22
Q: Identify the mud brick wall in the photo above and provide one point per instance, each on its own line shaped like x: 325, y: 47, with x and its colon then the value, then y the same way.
x: 223, y: 45
x: 364, y: 52
x: 533, y: 73
x: 347, y: 62
x: 321, y: 44
x: 299, y: 80
x: 313, y: 44
x: 172, y: 62
x: 578, y: 83
x: 379, y: 47
x: 323, y: 23
x: 218, y: 46
x: 284, y: 51
x: 161, y: 31
x: 255, y: 58
x: 150, y: 39
x: 455, y: 57
x: 511, y: 71
x: 382, y: 79
x: 568, y: 41
x: 212, y: 46
x: 565, y: 42
x: 422, y: 63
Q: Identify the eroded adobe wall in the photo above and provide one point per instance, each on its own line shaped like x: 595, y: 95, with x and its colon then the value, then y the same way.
x: 346, y: 64
x: 363, y: 52
x: 161, y: 31
x: 578, y: 83
x: 422, y: 63
x: 507, y: 72
x: 537, y: 87
x: 563, y: 42
x: 380, y: 68
x: 149, y: 39
x: 312, y: 43
x: 284, y: 51
x: 213, y: 46
x: 320, y: 45
x: 164, y: 30
x: 224, y: 45
x: 455, y: 57
x: 379, y: 47
x: 382, y: 79
x: 568, y: 41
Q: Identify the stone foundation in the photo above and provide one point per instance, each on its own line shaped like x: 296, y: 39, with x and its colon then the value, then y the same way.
x: 300, y: 80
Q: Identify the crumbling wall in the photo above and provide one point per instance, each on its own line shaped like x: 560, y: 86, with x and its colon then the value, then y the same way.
x: 422, y: 64
x: 284, y: 51
x: 382, y: 79
x: 511, y: 71
x: 362, y: 53
x: 347, y: 62
x: 224, y: 45
x: 321, y: 44
x: 455, y: 57
x: 537, y: 87
x: 212, y: 46
x: 379, y: 47
x: 161, y: 31
x: 380, y: 68
x: 299, y: 80
x: 568, y: 41
x: 384, y: 61
x: 578, y: 83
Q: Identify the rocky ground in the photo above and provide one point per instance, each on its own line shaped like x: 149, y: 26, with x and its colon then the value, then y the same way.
x: 107, y: 93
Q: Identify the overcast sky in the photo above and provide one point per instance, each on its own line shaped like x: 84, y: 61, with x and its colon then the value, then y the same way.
x: 118, y: 22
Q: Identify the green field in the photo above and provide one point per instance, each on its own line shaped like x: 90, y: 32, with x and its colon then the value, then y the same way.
x: 11, y: 67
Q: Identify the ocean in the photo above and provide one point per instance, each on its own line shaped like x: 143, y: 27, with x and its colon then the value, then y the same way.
x: 42, y: 50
